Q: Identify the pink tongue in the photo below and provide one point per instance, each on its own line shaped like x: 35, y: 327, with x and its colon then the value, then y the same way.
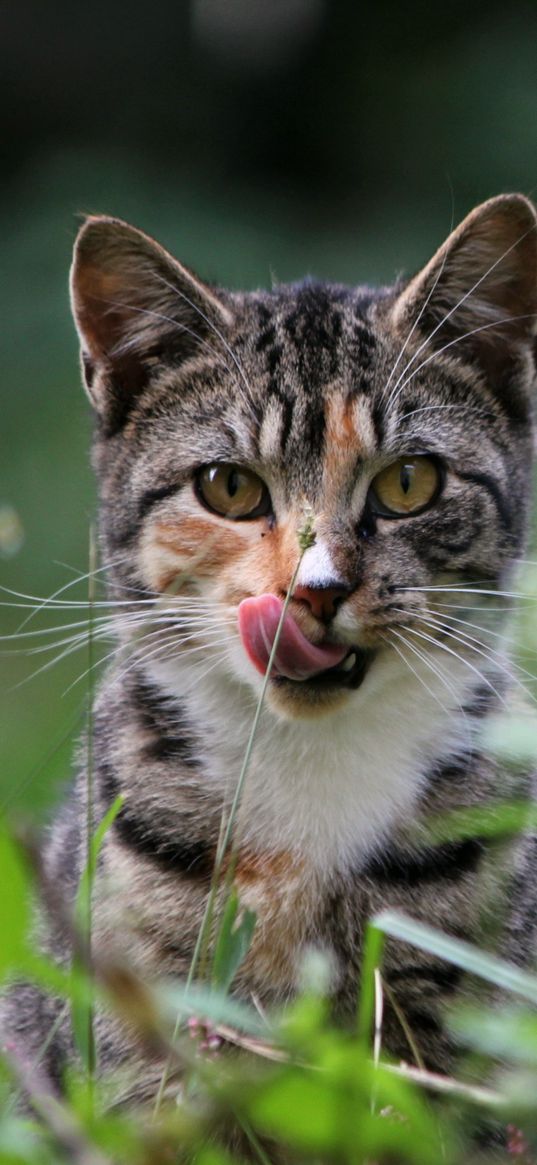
x: 296, y: 658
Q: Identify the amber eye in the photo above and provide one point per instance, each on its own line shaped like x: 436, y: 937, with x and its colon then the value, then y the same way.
x: 407, y: 486
x: 232, y: 491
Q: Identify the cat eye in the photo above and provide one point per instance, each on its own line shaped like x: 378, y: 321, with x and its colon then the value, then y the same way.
x: 232, y: 491
x: 406, y: 487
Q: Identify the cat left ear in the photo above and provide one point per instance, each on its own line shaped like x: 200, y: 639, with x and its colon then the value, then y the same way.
x: 130, y: 298
x: 478, y: 295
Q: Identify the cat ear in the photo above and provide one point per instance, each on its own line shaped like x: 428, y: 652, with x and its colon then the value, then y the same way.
x: 129, y: 299
x: 478, y: 295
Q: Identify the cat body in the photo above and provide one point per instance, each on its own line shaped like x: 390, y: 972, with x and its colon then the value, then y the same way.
x: 397, y: 426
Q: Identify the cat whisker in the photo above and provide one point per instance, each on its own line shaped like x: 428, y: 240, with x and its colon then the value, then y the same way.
x: 174, y: 648
x: 71, y: 582
x: 459, y: 408
x: 126, y: 345
x: 97, y: 634
x: 97, y: 575
x: 421, y: 312
x: 114, y: 623
x: 195, y: 307
x: 515, y: 609
x: 50, y: 663
x: 91, y: 633
x: 451, y: 343
x: 37, y: 603
x: 199, y: 676
x: 422, y: 656
x: 502, y: 635
x: 456, y: 655
x: 462, y: 589
x: 443, y: 620
x: 81, y: 639
x: 399, y: 635
x: 14, y: 636
x: 496, y: 658
x: 440, y: 672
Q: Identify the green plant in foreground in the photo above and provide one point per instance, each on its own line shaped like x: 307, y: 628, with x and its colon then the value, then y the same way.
x: 292, y: 1083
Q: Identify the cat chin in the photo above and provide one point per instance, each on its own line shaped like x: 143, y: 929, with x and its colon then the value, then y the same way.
x: 302, y: 702
x: 322, y: 693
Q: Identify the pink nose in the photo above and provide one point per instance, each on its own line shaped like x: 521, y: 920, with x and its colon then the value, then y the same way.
x: 322, y: 601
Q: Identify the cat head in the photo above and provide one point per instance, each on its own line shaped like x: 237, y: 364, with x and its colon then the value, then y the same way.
x: 355, y: 447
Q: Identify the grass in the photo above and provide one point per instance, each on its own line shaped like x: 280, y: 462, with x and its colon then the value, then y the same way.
x: 291, y: 1084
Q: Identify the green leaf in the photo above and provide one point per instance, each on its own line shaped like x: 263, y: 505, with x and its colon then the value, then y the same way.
x: 301, y: 1108
x: 21, y: 1143
x: 82, y: 1008
x: 461, y: 954
x: 233, y: 944
x: 510, y: 1034
x: 213, y: 1155
x: 343, y: 1109
x: 505, y: 819
x: 14, y: 907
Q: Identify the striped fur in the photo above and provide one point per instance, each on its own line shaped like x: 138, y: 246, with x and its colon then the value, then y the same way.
x: 316, y: 388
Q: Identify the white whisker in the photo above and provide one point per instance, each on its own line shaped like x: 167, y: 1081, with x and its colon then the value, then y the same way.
x: 177, y: 326
x: 412, y: 647
x: 498, y: 659
x: 459, y: 408
x: 444, y: 647
x: 213, y: 328
x: 146, y: 658
x: 462, y: 589
x: 423, y: 308
x: 458, y: 340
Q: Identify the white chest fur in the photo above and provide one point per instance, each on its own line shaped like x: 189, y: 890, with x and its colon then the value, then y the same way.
x: 329, y: 789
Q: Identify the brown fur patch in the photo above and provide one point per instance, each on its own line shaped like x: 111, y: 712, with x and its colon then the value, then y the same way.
x: 277, y: 888
x: 252, y: 866
x: 197, y: 545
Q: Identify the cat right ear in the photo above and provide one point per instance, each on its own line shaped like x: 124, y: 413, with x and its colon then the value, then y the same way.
x: 130, y: 299
x: 478, y: 295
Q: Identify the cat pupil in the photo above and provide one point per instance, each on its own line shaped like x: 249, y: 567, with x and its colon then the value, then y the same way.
x: 232, y: 483
x: 406, y: 478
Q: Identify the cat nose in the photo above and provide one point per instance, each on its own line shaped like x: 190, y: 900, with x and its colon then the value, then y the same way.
x: 323, y: 601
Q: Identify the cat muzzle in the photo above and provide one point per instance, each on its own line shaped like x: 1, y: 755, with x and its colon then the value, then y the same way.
x: 295, y: 657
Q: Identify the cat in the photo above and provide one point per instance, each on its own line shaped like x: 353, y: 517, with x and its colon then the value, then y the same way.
x: 395, y: 425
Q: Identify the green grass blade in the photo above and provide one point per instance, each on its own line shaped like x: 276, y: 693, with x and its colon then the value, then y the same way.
x: 461, y: 954
x: 371, y: 959
x: 233, y: 942
x: 213, y: 1005
x: 82, y: 901
x: 82, y: 1008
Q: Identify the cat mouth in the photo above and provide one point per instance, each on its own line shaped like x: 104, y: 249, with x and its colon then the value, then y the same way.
x: 350, y: 673
x: 296, y: 661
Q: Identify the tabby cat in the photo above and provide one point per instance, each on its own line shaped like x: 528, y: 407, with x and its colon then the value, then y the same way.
x: 396, y: 424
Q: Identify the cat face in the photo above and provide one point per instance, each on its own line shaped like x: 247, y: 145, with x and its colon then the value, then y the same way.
x: 395, y: 426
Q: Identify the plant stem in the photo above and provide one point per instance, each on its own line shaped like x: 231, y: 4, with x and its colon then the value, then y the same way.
x: 200, y: 951
x: 90, y: 803
x: 306, y: 538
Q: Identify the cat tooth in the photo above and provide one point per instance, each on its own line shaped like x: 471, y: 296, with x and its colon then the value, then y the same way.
x: 348, y: 662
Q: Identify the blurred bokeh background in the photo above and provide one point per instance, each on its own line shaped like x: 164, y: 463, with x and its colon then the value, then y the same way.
x: 255, y: 139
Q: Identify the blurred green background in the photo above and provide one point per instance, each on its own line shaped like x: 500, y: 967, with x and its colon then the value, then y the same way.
x: 255, y: 139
